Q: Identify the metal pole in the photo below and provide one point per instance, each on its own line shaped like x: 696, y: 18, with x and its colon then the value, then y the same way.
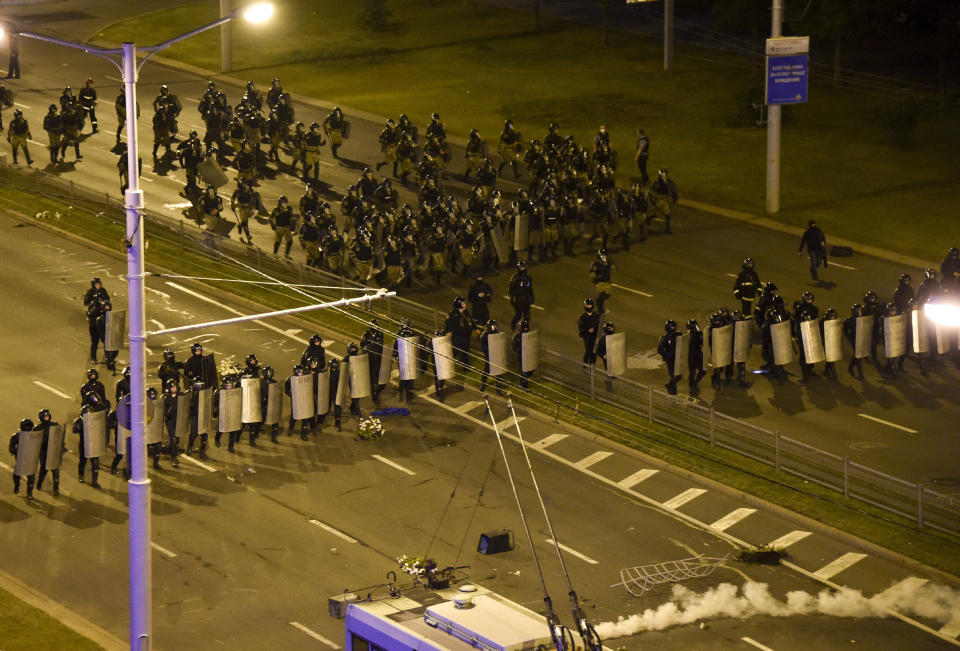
x: 226, y: 43
x: 667, y: 35
x: 773, y: 125
x: 139, y: 485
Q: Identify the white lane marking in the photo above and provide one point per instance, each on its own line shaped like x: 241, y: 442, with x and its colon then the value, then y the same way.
x: 752, y: 642
x: 323, y: 162
x: 175, y: 206
x: 143, y: 177
x: 686, y: 496
x: 635, y: 291
x: 573, y: 552
x: 732, y: 275
x: 21, y: 105
x: 507, y: 423
x: 54, y: 391
x: 637, y: 477
x: 838, y: 565
x: 888, y: 423
x: 159, y: 325
x: 547, y: 441
x: 335, y: 532
x: 908, y: 585
x: 112, y: 133
x: 951, y: 628
x: 732, y: 518
x: 591, y: 459
x: 235, y: 312
x: 314, y: 635
x: 200, y: 464
x: 163, y: 550
x: 190, y: 99
x: 842, y: 266
x: 470, y: 405
x: 393, y: 464
x: 119, y: 81
x: 786, y: 540
x: 536, y: 307
x: 7, y: 468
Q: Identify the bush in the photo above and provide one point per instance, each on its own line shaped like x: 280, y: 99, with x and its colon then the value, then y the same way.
x: 897, y: 122
x: 375, y: 15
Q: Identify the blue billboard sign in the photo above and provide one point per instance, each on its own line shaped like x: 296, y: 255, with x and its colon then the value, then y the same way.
x: 787, y: 78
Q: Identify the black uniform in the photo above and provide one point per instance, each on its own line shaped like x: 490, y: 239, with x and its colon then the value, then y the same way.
x: 480, y: 294
x: 667, y: 347
x: 695, y: 359
x: 372, y: 344
x: 745, y: 289
x: 485, y: 347
x: 44, y: 425
x: 588, y: 325
x: 460, y: 325
x: 521, y: 297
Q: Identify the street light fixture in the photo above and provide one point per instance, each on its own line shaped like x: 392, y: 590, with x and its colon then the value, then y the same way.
x: 139, y: 484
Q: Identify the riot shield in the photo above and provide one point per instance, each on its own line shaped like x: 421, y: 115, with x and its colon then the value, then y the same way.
x: 211, y: 377
x: 359, y: 366
x: 343, y: 387
x: 251, y: 410
x: 204, y: 399
x: 863, y: 336
x: 813, y: 352
x: 721, y: 346
x: 782, y: 343
x: 114, y: 328
x: 54, y: 447
x: 28, y: 453
x: 443, y: 357
x: 346, y: 129
x: 529, y: 351
x: 274, y: 404
x: 497, y: 353
x: 182, y: 430
x: 500, y: 244
x: 301, y: 397
x: 231, y: 405
x: 407, y: 354
x: 742, y: 331
x: 521, y: 232
x: 212, y: 173
x: 616, y: 354
x: 154, y: 427
x: 833, y: 340
x: 895, y: 336
x: 323, y: 392
x: 681, y: 353
x: 945, y: 337
x: 95, y: 434
x: 921, y: 332
x: 386, y: 368
x: 120, y: 441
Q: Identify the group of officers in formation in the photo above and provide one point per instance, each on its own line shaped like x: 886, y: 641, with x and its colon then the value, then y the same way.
x: 898, y: 327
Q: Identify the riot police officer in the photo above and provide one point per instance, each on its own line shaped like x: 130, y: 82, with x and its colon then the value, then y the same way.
x: 588, y: 325
x: 850, y: 332
x: 193, y: 367
x: 480, y: 294
x: 872, y: 309
x: 314, y: 350
x: 746, y: 286
x: 266, y: 381
x: 305, y: 423
x: 830, y: 370
x: 521, y: 295
x: 438, y: 384
x: 53, y: 125
x: 94, y: 384
x: 88, y: 102
x: 372, y: 344
x: 197, y: 386
x: 405, y: 387
x: 252, y: 370
x: 459, y: 323
x: 664, y: 194
x: 667, y: 347
x: 518, y: 349
x: 608, y: 329
x: 92, y: 402
x: 170, y: 406
x: 805, y: 311
x: 600, y: 273
x: 491, y: 329
x: 26, y: 425
x: 775, y: 313
x: 282, y: 223
x: 719, y: 319
x: 19, y: 134
x: 44, y: 424
x: 695, y: 355
x: 169, y: 369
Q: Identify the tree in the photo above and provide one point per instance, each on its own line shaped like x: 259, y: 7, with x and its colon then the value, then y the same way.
x: 842, y: 20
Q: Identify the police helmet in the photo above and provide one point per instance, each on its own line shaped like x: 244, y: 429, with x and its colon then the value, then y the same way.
x: 211, y: 187
x: 670, y: 326
x: 748, y: 263
x: 778, y: 301
x: 267, y: 372
x: 663, y: 171
x: 892, y: 309
x: 435, y: 117
x: 856, y: 310
x: 197, y: 347
x: 492, y: 325
x: 163, y: 89
x: 693, y: 325
x: 608, y: 328
x: 168, y: 354
x: 954, y: 252
x: 316, y: 340
x: 44, y: 414
x: 152, y: 393
x: 601, y: 254
x: 588, y: 304
x: 830, y: 313
x: 67, y: 89
x: 334, y: 364
x: 298, y: 369
x: 508, y: 124
x: 125, y: 372
x: 524, y: 326
x: 94, y: 281
x: 904, y: 279
x: 17, y: 113
x: 299, y: 125
x: 930, y: 274
x: 251, y: 360
x: 92, y: 374
x: 770, y: 287
x: 26, y: 425
x: 211, y: 84
x: 92, y: 399
x: 194, y: 134
x: 521, y: 264
x: 283, y: 199
x: 807, y: 297
x: 870, y: 297
x: 314, y: 125
x: 459, y: 302
x: 474, y: 133
x: 53, y: 107
x: 403, y: 117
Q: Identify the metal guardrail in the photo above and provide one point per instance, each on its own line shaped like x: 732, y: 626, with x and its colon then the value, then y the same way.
x: 891, y: 494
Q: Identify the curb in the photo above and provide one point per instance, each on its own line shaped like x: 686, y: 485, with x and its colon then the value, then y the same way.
x: 72, y: 620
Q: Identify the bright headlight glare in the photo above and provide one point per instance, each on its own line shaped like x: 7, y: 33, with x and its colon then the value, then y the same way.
x: 258, y: 12
x: 944, y: 313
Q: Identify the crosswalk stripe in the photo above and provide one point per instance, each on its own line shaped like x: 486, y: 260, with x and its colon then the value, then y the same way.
x: 637, y: 477
x: 547, y: 441
x: 907, y: 585
x: 684, y: 497
x: 470, y: 405
x: 591, y: 459
x: 951, y: 628
x: 732, y: 518
x: 838, y: 565
x: 786, y: 540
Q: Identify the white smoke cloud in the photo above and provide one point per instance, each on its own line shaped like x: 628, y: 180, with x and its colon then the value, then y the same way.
x: 936, y: 602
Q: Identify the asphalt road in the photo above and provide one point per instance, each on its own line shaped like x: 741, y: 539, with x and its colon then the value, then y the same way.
x: 247, y: 544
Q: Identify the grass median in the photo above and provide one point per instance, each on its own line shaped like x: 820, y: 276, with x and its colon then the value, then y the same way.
x: 166, y: 250
x: 25, y: 628
x: 477, y: 69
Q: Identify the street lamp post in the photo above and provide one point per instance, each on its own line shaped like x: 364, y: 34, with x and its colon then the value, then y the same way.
x: 139, y: 484
x: 667, y: 31
x: 773, y: 125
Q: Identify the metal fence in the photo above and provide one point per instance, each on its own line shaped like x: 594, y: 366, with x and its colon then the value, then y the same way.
x: 894, y: 495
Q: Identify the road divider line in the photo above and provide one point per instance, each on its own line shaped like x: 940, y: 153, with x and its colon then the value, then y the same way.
x: 314, y: 635
x: 573, y: 552
x: 470, y: 405
x: 686, y: 496
x: 786, y: 540
x: 637, y: 477
x: 732, y: 518
x: 6, y: 467
x: 732, y: 275
x: 53, y: 390
x: 591, y: 459
x: 547, y: 441
x: 838, y: 565
x: 393, y: 464
x: 197, y: 463
x: 536, y: 307
x: 23, y: 106
x: 907, y: 586
x: 635, y: 291
x: 842, y: 266
x: 507, y: 422
x: 335, y: 532
x: 752, y: 642
x: 951, y: 629
x: 163, y: 550
x: 888, y: 423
